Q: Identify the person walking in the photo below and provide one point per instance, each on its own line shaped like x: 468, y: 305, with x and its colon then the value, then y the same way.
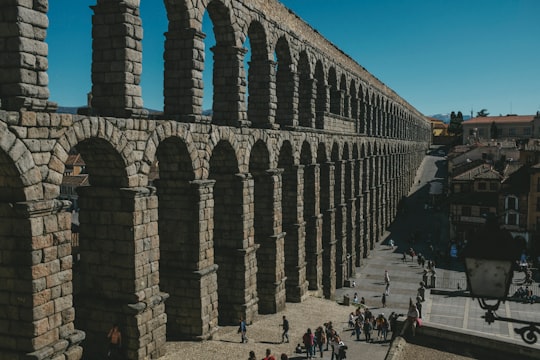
x: 383, y: 300
x: 367, y: 329
x: 309, y: 343
x: 412, y: 317
x: 320, y: 339
x: 242, y: 329
x: 358, y: 328
x: 115, y: 342
x: 285, y: 326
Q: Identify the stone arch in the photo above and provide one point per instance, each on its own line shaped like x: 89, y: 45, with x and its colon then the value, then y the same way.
x: 260, y: 111
x: 335, y: 106
x: 321, y: 102
x: 293, y: 223
x: 17, y: 175
x: 179, y: 249
x: 285, y: 85
x: 228, y: 233
x: 229, y: 92
x: 306, y: 96
x: 270, y: 245
x: 163, y: 133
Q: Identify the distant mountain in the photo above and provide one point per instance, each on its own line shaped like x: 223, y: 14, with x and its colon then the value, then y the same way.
x: 446, y: 117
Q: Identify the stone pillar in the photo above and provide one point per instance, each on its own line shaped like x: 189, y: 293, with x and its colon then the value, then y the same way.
x: 23, y: 56
x: 306, y: 105
x: 187, y: 268
x: 340, y: 224
x: 346, y: 105
x: 287, y: 97
x: 295, y: 230
x: 313, y: 227
x: 117, y: 59
x: 262, y: 89
x: 329, y: 238
x: 119, y: 271
x: 36, y: 291
x: 268, y: 233
x: 229, y: 107
x: 184, y: 64
x: 323, y: 91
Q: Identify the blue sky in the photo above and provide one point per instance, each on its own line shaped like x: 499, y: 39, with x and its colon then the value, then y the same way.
x: 439, y: 55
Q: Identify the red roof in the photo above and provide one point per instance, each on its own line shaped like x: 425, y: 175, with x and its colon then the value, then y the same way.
x: 509, y: 119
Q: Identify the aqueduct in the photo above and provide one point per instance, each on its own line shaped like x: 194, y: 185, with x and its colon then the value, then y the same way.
x: 279, y: 194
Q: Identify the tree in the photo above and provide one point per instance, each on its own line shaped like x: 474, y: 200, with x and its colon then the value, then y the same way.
x: 456, y: 124
x: 482, y: 113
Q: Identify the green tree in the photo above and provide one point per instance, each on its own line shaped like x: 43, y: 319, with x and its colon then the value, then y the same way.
x: 482, y: 113
x: 456, y: 124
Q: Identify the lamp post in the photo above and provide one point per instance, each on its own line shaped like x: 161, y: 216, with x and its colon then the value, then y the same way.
x: 489, y: 259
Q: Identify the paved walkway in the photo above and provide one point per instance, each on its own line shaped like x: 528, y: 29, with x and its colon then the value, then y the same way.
x: 448, y: 307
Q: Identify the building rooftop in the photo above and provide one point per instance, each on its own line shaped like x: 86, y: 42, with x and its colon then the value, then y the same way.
x: 508, y: 119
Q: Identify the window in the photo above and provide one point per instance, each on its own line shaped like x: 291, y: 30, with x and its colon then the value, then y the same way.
x: 493, y: 186
x: 482, y: 186
x: 484, y: 211
x: 512, y: 131
x: 511, y: 203
x: 466, y: 188
x: 466, y: 210
x: 511, y: 219
x: 527, y: 131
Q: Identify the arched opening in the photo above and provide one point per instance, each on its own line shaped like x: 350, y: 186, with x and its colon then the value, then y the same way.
x: 354, y: 103
x: 258, y: 67
x: 357, y: 184
x: 284, y: 84
x: 226, y: 71
x: 366, y: 184
x: 15, y: 265
x: 179, y: 246
x: 349, y: 212
x: 306, y: 109
x: 269, y: 246
x: 294, y: 229
x: 228, y: 233
x: 104, y: 255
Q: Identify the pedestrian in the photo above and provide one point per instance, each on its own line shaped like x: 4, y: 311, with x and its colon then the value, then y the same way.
x: 252, y: 355
x: 242, y: 329
x: 309, y: 343
x: 285, y: 326
x: 335, y: 347
x: 329, y: 333
x: 387, y: 289
x: 358, y: 328
x: 284, y: 357
x: 363, y: 301
x: 412, y: 318
x: 385, y: 326
x: 386, y: 277
x: 320, y: 337
x: 269, y: 355
x: 367, y: 329
x: 383, y: 300
x: 391, y: 243
x: 115, y: 342
x: 419, y: 306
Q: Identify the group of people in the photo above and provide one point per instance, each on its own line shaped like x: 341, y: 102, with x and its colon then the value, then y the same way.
x: 268, y: 356
x: 363, y: 320
x: 324, y: 336
x: 525, y: 294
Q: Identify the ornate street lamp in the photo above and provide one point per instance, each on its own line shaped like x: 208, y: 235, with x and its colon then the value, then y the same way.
x: 489, y: 261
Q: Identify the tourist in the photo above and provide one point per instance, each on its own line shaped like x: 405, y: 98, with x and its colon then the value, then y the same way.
x: 252, y: 355
x: 368, y: 327
x: 412, y: 318
x: 309, y: 343
x: 383, y: 300
x: 284, y: 357
x: 269, y: 355
x: 335, y: 347
x: 285, y: 326
x: 115, y: 342
x: 358, y: 328
x: 242, y: 329
x: 320, y: 339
